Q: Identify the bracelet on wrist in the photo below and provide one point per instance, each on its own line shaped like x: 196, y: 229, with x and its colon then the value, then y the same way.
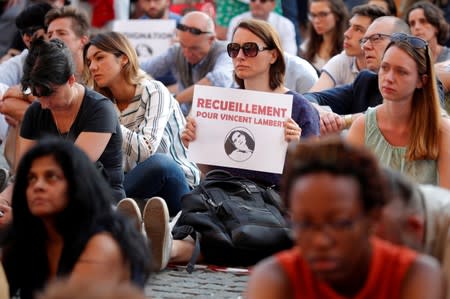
x: 348, y: 120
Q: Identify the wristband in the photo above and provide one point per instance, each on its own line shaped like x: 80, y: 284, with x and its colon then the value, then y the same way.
x: 348, y: 120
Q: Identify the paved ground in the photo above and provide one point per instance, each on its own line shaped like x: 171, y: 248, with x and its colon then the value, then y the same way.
x: 202, y: 283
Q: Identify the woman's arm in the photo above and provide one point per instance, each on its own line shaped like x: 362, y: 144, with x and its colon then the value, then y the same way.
x: 143, y: 142
x: 101, y: 261
x: 443, y: 161
x: 22, y: 146
x: 424, y: 280
x: 356, y: 133
x: 93, y: 143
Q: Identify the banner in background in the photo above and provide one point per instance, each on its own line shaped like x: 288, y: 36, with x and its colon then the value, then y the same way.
x: 149, y: 37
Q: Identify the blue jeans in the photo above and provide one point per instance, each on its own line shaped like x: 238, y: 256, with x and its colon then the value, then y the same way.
x: 159, y: 175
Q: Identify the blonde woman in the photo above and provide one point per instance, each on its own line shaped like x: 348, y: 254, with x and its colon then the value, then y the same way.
x: 407, y: 131
x: 155, y: 161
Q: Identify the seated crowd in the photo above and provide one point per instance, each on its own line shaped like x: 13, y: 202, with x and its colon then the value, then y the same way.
x: 99, y: 151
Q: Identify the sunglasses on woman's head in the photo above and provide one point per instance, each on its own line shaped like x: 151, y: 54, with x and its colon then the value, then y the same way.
x: 249, y: 49
x: 40, y: 90
x: 415, y: 42
x: 192, y: 30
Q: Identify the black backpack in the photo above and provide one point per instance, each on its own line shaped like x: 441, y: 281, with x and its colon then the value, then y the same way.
x: 234, y: 221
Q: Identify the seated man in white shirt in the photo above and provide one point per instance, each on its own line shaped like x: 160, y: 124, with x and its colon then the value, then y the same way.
x: 263, y: 10
x: 300, y: 74
x: 345, y: 66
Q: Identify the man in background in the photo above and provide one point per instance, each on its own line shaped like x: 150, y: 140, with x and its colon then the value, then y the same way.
x: 263, y: 10
x: 157, y: 9
x: 197, y: 58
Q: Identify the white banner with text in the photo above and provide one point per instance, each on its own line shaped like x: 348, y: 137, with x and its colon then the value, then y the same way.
x: 240, y: 128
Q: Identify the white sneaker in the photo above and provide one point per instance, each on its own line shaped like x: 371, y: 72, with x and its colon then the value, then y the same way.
x: 174, y: 220
x: 156, y: 225
x: 130, y: 209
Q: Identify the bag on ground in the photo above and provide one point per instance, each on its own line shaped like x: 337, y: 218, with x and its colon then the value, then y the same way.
x: 233, y: 220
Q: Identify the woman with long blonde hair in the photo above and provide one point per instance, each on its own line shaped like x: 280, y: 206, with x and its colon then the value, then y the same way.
x: 407, y: 131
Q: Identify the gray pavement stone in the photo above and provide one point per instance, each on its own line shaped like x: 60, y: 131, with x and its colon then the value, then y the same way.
x: 202, y: 283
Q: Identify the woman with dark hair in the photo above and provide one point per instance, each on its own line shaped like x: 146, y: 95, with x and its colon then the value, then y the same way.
x: 70, y: 111
x: 328, y: 20
x: 427, y: 21
x: 239, y: 145
x: 388, y: 5
x: 334, y: 192
x: 64, y: 224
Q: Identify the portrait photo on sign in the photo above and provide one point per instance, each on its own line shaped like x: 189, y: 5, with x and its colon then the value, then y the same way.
x: 239, y: 144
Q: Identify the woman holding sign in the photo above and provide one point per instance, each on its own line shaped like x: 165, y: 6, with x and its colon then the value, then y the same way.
x: 258, y: 65
x: 155, y: 160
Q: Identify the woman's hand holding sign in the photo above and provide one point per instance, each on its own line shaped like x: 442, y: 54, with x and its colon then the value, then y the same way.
x: 292, y: 131
x: 189, y: 132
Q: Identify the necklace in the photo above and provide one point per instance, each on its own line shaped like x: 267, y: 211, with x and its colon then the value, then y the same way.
x: 67, y: 126
x: 67, y: 134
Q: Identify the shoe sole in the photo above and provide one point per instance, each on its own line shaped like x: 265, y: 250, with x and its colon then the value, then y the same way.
x: 156, y: 218
x: 131, y: 210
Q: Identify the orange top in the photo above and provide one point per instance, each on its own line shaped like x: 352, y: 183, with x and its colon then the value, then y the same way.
x: 388, y: 267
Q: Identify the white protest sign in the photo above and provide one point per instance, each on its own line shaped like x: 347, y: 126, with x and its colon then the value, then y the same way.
x: 240, y: 128
x: 149, y: 37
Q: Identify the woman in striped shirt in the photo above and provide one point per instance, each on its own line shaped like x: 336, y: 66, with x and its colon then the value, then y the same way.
x: 155, y: 161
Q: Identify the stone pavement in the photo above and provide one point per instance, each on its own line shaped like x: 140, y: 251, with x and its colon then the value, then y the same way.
x: 175, y: 282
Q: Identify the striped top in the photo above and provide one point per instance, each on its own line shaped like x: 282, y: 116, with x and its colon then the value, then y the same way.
x: 152, y: 123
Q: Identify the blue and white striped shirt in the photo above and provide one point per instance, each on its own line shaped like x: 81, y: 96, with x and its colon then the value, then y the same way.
x: 152, y: 123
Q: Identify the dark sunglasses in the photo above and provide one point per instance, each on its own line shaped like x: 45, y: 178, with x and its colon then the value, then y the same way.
x: 192, y: 30
x: 249, y: 49
x: 415, y: 42
x: 30, y: 30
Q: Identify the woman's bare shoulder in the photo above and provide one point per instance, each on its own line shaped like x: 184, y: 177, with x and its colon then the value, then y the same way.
x: 268, y: 280
x: 102, y: 247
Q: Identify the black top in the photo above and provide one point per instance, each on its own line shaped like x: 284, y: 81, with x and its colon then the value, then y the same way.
x: 96, y: 114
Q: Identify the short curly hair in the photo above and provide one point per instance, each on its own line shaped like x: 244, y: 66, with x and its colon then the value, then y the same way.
x: 333, y: 155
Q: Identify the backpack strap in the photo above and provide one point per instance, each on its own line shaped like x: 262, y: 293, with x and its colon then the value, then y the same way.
x: 179, y: 232
x: 190, y: 266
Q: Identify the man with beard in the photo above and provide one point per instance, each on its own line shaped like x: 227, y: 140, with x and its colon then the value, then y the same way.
x: 157, y: 9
